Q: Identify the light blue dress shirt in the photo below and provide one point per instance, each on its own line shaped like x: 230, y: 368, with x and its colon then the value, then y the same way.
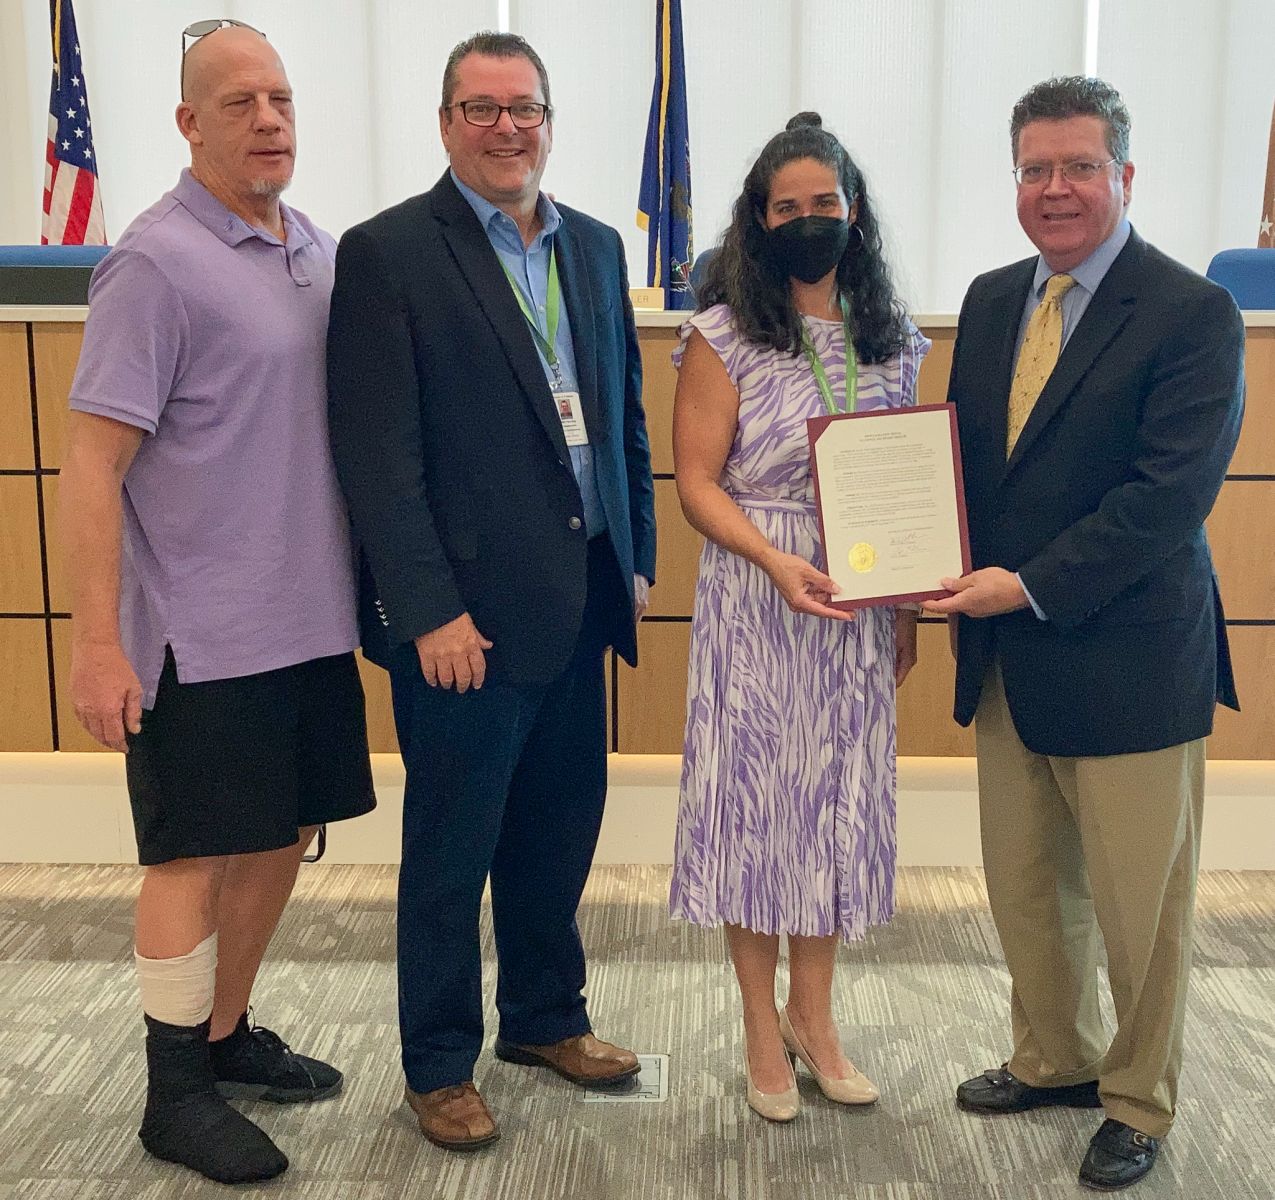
x: 529, y: 266
x: 1088, y: 275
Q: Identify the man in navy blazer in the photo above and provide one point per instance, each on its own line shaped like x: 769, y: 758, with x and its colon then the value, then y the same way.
x: 1099, y: 390
x: 487, y: 427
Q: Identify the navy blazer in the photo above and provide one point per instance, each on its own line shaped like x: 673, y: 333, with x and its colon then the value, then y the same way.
x: 1101, y: 507
x: 449, y: 448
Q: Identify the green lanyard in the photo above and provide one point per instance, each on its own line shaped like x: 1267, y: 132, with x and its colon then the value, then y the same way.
x: 821, y: 376
x: 547, y: 340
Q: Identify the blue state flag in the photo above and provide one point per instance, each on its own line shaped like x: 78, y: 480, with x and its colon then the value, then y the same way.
x: 664, y: 202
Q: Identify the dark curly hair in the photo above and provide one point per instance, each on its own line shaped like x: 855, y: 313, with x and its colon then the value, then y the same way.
x: 740, y: 274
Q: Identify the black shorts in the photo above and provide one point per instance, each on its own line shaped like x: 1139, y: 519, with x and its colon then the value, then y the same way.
x: 236, y: 766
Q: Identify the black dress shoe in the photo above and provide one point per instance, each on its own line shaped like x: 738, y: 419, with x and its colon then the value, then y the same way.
x: 1118, y: 1155
x: 997, y: 1091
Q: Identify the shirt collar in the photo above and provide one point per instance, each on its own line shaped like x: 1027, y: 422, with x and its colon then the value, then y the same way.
x: 493, y: 220
x: 230, y: 228
x: 1090, y: 273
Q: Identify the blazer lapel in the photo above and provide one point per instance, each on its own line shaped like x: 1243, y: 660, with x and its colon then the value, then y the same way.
x: 1110, y: 308
x: 577, y: 296
x: 467, y: 241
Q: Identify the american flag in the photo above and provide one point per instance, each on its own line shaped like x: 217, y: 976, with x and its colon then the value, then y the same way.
x: 72, y: 202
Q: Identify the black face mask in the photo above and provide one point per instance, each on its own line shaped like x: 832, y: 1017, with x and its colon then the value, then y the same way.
x: 807, y: 248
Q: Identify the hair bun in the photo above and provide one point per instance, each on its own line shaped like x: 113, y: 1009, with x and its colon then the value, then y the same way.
x: 805, y: 120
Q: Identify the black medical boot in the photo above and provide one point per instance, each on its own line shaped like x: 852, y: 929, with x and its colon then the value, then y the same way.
x: 186, y: 1121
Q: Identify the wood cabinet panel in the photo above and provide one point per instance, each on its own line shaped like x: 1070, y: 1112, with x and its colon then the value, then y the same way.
x: 677, y: 555
x: 57, y: 350
x: 936, y: 367
x: 659, y: 381
x: 1249, y: 733
x: 652, y: 698
x: 381, y: 737
x: 925, y: 700
x: 17, y: 448
x: 1255, y: 455
x: 1240, y: 535
x: 24, y: 686
x: 59, y: 583
x: 21, y: 577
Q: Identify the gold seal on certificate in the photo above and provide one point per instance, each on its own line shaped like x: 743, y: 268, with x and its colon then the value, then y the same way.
x: 891, y: 503
x: 862, y: 557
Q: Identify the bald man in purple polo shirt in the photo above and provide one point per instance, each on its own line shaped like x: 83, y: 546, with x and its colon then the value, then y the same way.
x: 214, y: 603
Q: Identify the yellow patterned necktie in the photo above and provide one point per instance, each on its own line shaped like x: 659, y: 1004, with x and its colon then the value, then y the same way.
x: 1042, y: 343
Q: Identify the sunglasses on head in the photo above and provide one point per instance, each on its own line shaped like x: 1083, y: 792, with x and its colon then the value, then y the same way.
x: 199, y: 29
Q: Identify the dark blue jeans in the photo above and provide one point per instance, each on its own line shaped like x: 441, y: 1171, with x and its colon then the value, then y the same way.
x: 507, y: 781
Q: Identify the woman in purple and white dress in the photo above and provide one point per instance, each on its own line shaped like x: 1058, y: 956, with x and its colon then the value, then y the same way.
x: 786, y: 822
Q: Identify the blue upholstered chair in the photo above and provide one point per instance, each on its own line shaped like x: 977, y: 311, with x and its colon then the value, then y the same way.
x: 52, y: 256
x: 1249, y: 275
x: 699, y: 268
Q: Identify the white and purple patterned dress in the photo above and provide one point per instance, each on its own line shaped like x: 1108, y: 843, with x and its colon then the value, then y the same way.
x: 786, y: 818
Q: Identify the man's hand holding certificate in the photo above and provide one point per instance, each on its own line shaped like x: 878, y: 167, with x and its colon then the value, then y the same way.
x: 891, y: 505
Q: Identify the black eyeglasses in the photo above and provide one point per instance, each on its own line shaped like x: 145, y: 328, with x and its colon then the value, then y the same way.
x: 525, y: 114
x: 202, y: 29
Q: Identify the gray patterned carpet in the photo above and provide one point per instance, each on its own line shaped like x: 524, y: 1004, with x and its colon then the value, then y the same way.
x: 922, y: 1005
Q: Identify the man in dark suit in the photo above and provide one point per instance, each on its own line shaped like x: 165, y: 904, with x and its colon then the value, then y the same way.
x: 488, y: 433
x: 1099, y: 391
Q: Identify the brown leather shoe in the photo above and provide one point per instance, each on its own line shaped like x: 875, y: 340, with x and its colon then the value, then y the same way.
x: 453, y: 1117
x: 583, y: 1059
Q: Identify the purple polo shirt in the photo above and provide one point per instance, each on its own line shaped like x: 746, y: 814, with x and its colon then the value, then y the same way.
x: 208, y: 334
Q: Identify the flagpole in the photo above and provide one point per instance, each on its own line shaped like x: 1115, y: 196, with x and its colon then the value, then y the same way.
x: 1266, y: 230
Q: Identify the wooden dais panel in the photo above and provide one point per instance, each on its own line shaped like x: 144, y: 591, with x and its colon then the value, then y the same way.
x: 1248, y: 734
x: 59, y: 585
x: 936, y: 367
x: 17, y: 450
x: 57, y: 350
x: 1239, y: 530
x: 652, y: 698
x: 659, y: 381
x: 924, y: 701
x: 1255, y: 454
x: 24, y: 686
x: 21, y: 580
x: 677, y: 555
x: 381, y: 738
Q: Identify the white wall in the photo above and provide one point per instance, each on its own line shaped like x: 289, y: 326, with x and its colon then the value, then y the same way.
x: 920, y: 90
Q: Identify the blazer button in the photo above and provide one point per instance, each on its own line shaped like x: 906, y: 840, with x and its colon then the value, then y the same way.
x: 574, y: 523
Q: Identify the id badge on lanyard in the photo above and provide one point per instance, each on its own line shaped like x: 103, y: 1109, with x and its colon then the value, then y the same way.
x: 567, y: 404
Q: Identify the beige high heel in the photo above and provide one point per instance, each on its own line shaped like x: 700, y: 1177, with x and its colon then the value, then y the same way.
x: 774, y: 1106
x: 857, y: 1089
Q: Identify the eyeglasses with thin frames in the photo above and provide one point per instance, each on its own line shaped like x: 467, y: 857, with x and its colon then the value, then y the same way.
x: 1079, y: 171
x: 525, y: 114
x: 199, y: 29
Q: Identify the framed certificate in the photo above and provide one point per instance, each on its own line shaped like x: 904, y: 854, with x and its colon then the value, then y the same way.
x: 891, y: 503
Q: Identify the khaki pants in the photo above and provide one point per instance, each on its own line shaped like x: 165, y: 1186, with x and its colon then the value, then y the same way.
x: 1072, y: 847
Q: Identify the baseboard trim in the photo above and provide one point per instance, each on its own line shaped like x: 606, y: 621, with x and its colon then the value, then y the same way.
x: 73, y: 808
